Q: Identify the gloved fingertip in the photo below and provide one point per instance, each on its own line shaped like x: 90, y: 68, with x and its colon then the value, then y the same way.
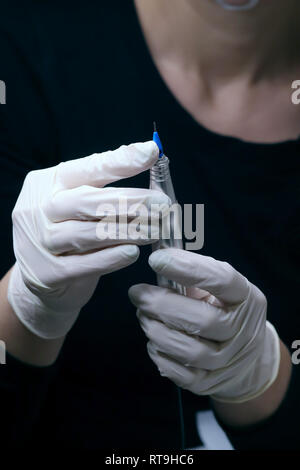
x: 133, y: 294
x: 148, y: 152
x: 136, y: 292
x: 152, y: 148
x: 132, y: 251
x: 157, y: 260
x: 150, y: 348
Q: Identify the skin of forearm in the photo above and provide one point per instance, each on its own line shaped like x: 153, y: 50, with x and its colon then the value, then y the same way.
x: 19, y: 341
x: 262, y: 407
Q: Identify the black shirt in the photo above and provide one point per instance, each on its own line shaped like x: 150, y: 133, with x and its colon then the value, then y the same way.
x: 79, y: 80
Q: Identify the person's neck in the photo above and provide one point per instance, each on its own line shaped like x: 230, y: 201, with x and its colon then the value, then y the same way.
x: 223, y: 44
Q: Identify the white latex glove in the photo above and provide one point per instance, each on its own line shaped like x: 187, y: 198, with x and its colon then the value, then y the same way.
x: 59, y: 257
x: 217, y: 344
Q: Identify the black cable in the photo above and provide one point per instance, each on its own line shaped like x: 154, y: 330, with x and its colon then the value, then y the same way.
x: 181, y: 418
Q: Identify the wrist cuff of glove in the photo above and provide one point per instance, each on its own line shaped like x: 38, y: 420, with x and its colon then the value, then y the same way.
x: 264, y: 372
x: 33, y: 314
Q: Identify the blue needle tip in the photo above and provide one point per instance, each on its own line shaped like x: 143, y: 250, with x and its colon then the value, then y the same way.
x: 157, y: 140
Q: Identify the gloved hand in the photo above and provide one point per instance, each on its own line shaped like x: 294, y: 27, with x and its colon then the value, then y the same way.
x: 59, y: 253
x: 216, y: 342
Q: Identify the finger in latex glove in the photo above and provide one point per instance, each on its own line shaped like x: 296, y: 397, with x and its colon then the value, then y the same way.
x: 59, y: 253
x: 226, y: 349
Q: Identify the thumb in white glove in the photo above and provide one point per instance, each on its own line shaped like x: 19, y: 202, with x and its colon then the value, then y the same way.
x: 217, y: 344
x: 59, y: 257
